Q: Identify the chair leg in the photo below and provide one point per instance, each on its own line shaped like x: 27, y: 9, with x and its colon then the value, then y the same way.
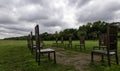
x: 49, y: 56
x: 70, y: 45
x: 80, y: 47
x: 57, y: 45
x: 54, y: 57
x: 75, y: 46
x: 102, y: 58
x: 32, y: 50
x: 36, y: 57
x: 91, y: 57
x: 65, y: 46
x: 109, y: 60
x: 116, y: 56
x: 84, y: 47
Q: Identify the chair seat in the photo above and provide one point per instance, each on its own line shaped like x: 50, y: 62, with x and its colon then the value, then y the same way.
x: 46, y: 50
x: 82, y: 44
x: 68, y: 44
x: 103, y: 52
x: 100, y: 47
x: 34, y: 46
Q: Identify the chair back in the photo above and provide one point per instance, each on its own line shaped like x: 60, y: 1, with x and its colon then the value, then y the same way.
x: 37, y: 37
x: 70, y: 40
x: 28, y: 41
x: 62, y: 40
x: 31, y: 39
x: 102, y: 39
x: 82, y: 39
x: 56, y: 40
x: 112, y: 37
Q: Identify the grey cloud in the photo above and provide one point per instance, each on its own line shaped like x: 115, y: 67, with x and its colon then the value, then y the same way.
x: 18, y: 29
x: 44, y: 3
x: 83, y: 2
x: 51, y: 29
x: 12, y: 31
x: 18, y: 17
x: 7, y: 20
x: 38, y: 13
x: 114, y: 6
x: 52, y: 23
x: 106, y: 16
x: 78, y: 3
x: 102, y: 11
x: 7, y: 16
x: 33, y: 16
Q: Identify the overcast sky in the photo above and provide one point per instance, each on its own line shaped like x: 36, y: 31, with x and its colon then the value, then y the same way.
x: 19, y: 17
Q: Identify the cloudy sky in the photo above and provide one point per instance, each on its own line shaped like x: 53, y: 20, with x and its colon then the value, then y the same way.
x: 18, y: 17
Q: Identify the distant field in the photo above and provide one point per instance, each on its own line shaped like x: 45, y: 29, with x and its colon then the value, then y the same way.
x: 15, y: 56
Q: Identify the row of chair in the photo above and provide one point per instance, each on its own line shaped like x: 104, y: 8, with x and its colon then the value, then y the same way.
x: 38, y: 48
x: 107, y: 45
x: 69, y: 44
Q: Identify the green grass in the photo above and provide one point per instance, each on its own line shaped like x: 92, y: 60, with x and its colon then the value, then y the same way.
x: 15, y: 56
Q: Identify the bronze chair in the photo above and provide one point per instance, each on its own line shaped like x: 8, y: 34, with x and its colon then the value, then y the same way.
x: 28, y: 42
x: 69, y: 43
x: 56, y: 43
x: 111, y: 45
x: 62, y: 42
x: 40, y: 51
x: 32, y: 45
x: 102, y: 42
x: 82, y: 43
x: 42, y: 43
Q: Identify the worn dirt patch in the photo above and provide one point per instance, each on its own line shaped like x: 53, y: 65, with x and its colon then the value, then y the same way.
x: 78, y: 60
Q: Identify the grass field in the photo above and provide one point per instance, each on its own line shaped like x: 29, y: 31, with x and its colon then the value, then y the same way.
x: 15, y: 56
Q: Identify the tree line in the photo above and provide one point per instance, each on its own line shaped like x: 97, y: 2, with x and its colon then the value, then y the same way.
x: 90, y: 30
